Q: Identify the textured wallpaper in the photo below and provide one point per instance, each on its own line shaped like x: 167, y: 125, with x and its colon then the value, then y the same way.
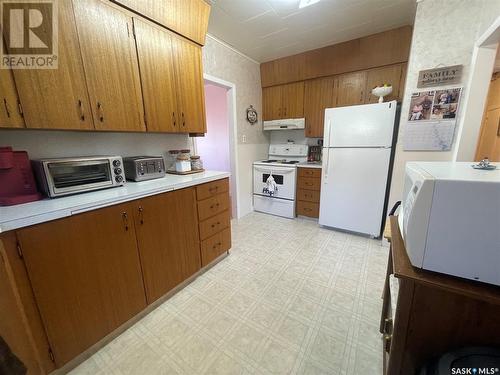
x: 444, y: 34
x: 225, y: 63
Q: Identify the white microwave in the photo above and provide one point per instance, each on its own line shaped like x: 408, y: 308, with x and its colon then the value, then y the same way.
x: 450, y: 219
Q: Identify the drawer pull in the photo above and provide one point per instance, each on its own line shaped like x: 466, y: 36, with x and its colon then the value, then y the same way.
x: 215, y: 188
x: 214, y: 206
x: 216, y: 224
x: 141, y: 215
x: 217, y: 245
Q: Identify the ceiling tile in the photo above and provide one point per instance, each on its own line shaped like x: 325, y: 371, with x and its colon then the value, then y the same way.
x: 268, y: 29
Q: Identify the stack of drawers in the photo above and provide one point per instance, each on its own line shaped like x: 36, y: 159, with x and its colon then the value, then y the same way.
x: 214, y: 219
x: 308, y: 191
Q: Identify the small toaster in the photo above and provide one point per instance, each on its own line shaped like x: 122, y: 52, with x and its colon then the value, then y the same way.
x: 142, y: 168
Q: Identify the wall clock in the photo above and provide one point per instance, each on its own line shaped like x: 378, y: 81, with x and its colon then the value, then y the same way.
x: 252, y: 116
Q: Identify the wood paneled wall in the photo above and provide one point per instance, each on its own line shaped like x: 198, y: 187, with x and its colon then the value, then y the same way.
x: 386, y: 48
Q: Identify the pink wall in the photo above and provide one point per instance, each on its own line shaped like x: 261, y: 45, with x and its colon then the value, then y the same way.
x: 214, y: 147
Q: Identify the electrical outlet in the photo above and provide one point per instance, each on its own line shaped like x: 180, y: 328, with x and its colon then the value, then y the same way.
x: 244, y: 138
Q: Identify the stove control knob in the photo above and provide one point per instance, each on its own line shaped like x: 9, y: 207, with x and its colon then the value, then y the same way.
x: 117, y: 163
x: 118, y: 171
x: 118, y: 179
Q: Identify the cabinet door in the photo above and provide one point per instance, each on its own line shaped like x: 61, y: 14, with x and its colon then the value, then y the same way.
x: 167, y: 233
x: 489, y: 140
x: 86, y: 276
x: 156, y: 65
x: 186, y: 17
x: 351, y: 89
x: 57, y: 98
x: 292, y: 98
x: 271, y: 103
x: 10, y: 114
x: 111, y: 67
x: 190, y: 86
x: 378, y: 77
x: 319, y: 94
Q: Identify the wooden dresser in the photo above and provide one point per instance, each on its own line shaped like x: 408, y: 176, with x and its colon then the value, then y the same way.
x: 308, y: 191
x: 214, y: 214
x: 434, y: 313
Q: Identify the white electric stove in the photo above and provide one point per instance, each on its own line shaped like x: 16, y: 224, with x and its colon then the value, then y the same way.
x: 282, y: 166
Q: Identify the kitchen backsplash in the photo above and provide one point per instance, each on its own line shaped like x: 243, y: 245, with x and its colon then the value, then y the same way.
x: 297, y: 136
x: 48, y: 144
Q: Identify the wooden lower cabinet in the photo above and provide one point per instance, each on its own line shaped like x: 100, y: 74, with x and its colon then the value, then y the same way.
x: 214, y: 246
x: 167, y: 235
x: 214, y: 214
x: 68, y: 283
x: 86, y: 276
x: 308, y: 192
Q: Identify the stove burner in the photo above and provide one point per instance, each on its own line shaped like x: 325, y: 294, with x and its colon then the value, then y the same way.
x: 284, y: 161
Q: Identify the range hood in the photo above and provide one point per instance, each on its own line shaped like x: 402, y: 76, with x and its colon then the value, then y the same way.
x: 287, y: 124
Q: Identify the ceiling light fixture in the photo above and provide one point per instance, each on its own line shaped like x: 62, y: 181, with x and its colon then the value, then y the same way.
x: 306, y: 3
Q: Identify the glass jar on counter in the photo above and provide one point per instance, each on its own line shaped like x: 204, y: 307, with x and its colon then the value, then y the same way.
x: 185, y: 153
x: 183, y: 163
x: 196, y: 163
x: 172, y: 159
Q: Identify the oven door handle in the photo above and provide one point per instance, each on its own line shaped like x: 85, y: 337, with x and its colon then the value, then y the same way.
x: 275, y: 170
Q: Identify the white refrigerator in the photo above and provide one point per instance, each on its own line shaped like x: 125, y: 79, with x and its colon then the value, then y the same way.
x: 357, y: 153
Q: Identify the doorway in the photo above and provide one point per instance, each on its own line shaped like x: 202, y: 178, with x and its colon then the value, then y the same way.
x: 218, y: 147
x: 489, y: 139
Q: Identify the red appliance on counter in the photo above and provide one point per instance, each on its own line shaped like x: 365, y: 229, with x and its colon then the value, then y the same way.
x: 17, y: 183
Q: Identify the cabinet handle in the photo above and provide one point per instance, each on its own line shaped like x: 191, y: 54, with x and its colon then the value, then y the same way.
x: 6, y: 107
x: 173, y: 118
x: 100, y: 111
x: 498, y: 128
x: 82, y: 113
x: 387, y: 325
x: 183, y: 120
x: 141, y: 215
x: 217, y: 245
x: 20, y: 109
x: 213, y: 189
x: 214, y: 206
x: 216, y: 224
x: 125, y: 220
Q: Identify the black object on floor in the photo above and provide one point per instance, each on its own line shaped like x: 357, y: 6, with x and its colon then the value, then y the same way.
x: 9, y: 363
x: 470, y: 360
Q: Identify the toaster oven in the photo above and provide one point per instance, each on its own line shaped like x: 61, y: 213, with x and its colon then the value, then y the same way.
x: 58, y: 177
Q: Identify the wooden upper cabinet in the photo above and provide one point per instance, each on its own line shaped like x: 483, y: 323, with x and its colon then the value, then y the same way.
x: 111, y: 68
x: 351, y: 89
x: 167, y: 235
x: 10, y: 110
x: 190, y: 86
x: 157, y: 69
x: 86, y: 276
x: 57, y: 98
x: 271, y: 103
x: 319, y: 94
x: 377, y: 77
x: 186, y: 17
x: 292, y: 98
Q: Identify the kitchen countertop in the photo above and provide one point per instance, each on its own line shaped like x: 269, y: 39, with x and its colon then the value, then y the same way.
x: 310, y: 165
x: 23, y: 215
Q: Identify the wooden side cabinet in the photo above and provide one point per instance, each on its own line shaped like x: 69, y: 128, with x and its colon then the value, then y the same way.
x: 434, y: 313
x: 319, y: 94
x: 308, y: 191
x: 283, y: 101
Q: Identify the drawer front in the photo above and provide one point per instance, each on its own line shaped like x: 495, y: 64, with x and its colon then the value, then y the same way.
x: 212, y: 188
x: 308, y: 209
x: 213, y: 206
x: 214, y: 225
x: 309, y: 183
x: 214, y: 246
x: 309, y: 172
x: 308, y: 195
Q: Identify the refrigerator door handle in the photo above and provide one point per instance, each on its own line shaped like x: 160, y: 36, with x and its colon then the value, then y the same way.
x: 327, y: 134
x: 327, y: 166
